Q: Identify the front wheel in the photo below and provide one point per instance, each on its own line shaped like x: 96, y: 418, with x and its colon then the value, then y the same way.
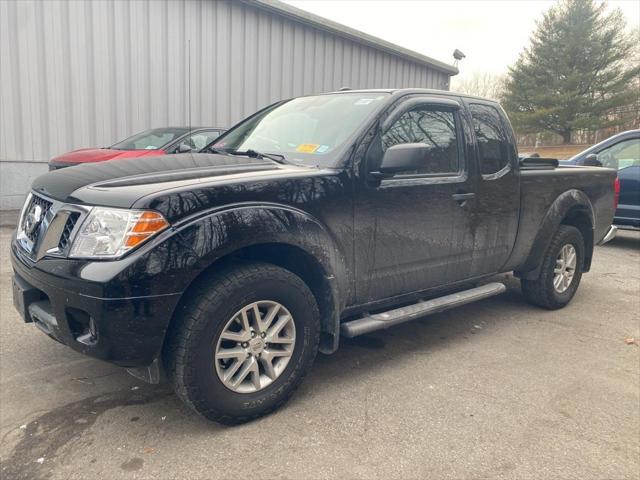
x: 561, y: 271
x: 243, y: 342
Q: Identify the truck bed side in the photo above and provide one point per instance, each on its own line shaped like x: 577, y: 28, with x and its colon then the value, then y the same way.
x: 549, y: 197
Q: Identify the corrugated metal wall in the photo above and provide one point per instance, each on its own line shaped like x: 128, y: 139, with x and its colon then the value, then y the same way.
x: 87, y: 73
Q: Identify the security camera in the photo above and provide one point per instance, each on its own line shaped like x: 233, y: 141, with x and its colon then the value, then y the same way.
x: 458, y: 55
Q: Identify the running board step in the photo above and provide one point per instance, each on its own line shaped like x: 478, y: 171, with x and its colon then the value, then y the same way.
x: 378, y: 321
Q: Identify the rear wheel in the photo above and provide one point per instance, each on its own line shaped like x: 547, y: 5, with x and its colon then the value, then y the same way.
x: 243, y: 342
x: 561, y: 270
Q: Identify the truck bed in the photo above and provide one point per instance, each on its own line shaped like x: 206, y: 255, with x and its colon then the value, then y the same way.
x: 540, y: 188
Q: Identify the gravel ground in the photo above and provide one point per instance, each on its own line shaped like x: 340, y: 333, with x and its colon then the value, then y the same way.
x: 497, y: 389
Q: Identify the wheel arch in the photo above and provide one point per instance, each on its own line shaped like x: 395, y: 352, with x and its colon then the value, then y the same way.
x: 278, y: 235
x: 573, y: 208
x: 578, y: 217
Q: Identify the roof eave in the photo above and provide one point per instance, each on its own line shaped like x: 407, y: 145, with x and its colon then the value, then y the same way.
x: 321, y: 23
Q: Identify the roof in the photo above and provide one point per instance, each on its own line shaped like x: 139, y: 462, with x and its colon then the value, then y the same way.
x: 185, y: 127
x: 335, y: 28
x: 428, y: 91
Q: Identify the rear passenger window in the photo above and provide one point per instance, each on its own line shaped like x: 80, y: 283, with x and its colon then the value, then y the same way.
x: 433, y: 127
x: 493, y: 144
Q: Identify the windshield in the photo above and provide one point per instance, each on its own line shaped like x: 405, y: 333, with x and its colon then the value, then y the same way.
x: 151, y: 139
x: 306, y: 129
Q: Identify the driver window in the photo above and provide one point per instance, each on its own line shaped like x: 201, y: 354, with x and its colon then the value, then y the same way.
x: 621, y: 155
x: 434, y: 127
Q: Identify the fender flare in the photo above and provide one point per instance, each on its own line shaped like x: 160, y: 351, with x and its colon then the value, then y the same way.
x: 219, y: 233
x: 561, y: 207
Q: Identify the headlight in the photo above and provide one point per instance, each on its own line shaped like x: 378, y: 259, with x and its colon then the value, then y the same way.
x: 110, y: 232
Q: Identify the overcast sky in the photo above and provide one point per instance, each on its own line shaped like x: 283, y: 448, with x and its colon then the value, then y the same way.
x: 490, y: 33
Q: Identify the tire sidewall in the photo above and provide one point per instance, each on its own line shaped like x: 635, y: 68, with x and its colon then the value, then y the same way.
x: 569, y: 237
x: 295, y: 297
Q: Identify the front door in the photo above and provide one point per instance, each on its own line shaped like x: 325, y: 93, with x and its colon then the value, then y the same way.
x: 415, y: 230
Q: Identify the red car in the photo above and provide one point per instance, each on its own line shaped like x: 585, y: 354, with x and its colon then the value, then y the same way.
x: 158, y: 141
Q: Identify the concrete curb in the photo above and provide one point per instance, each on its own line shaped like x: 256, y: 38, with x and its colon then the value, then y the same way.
x: 9, y: 218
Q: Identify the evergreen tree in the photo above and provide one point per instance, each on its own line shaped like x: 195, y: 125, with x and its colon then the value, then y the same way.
x: 582, y: 63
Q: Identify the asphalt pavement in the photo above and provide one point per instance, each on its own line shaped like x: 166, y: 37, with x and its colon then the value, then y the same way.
x: 495, y: 389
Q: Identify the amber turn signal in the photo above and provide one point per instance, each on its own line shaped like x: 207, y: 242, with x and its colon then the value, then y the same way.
x: 147, y: 224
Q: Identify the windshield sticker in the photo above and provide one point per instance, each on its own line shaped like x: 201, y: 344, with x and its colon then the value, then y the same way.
x: 307, y: 147
x: 322, y: 148
x: 364, y: 101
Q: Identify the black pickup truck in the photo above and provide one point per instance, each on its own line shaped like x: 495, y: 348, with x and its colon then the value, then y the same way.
x: 317, y: 217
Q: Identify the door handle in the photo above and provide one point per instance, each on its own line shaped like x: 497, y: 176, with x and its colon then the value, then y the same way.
x: 462, y: 198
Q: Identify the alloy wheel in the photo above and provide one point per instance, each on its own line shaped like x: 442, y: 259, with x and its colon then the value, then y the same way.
x: 255, y: 346
x: 565, y: 268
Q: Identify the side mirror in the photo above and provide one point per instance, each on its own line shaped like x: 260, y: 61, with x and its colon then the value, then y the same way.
x: 591, y: 160
x: 183, y: 148
x: 403, y: 157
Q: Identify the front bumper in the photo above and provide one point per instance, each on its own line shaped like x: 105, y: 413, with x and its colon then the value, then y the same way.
x: 127, y: 330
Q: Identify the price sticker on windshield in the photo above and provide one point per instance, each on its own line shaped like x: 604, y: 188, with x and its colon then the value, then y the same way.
x: 307, y: 147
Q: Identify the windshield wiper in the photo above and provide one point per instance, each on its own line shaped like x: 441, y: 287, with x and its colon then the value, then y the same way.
x: 276, y: 157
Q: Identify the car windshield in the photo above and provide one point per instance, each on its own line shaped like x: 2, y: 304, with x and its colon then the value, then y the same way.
x: 151, y: 139
x: 310, y: 129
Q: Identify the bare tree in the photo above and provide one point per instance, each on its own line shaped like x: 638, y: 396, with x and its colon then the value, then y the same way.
x: 481, y: 84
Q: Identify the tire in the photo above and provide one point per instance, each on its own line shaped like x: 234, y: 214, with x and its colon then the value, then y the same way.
x: 542, y: 291
x: 196, y: 337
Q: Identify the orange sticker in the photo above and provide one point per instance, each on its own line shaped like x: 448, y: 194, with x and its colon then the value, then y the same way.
x: 307, y: 147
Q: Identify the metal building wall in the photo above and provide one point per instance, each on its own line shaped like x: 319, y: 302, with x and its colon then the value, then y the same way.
x: 78, y: 73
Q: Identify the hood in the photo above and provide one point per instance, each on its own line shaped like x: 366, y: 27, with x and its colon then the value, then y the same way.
x: 90, y: 155
x: 120, y: 184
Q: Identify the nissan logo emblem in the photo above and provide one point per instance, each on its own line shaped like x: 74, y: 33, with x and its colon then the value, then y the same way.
x: 32, y: 219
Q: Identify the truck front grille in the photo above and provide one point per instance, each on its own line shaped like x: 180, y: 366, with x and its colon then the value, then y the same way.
x: 65, y: 237
x: 47, y: 226
x: 45, y: 205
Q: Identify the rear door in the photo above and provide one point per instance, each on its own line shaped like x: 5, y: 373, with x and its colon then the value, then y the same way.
x: 415, y: 230
x: 497, y: 188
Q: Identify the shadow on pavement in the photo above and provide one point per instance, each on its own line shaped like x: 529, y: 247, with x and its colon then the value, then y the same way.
x: 625, y: 240
x: 50, y: 433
